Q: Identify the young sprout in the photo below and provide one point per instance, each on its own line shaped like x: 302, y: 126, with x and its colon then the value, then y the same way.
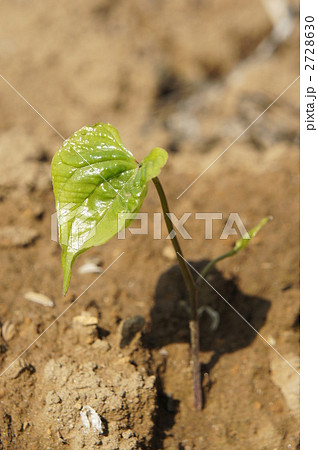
x: 98, y: 183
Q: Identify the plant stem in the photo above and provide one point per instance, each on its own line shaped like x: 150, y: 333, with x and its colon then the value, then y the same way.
x: 193, y: 298
x: 210, y: 264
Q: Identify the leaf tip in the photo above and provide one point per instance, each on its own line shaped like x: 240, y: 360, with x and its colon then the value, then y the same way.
x: 67, y: 262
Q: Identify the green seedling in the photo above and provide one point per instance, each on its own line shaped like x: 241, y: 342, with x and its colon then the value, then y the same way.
x: 97, y: 182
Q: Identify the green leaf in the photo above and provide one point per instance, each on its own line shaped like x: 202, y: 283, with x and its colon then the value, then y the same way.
x: 96, y: 181
x: 240, y: 244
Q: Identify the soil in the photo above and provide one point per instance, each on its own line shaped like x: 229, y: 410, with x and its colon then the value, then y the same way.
x: 189, y: 77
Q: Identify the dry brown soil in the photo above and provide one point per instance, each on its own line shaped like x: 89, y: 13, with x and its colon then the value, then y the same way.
x: 188, y: 76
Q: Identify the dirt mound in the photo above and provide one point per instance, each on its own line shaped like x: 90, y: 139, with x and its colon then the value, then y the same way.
x: 98, y: 376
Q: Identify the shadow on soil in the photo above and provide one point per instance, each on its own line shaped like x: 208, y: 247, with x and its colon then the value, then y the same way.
x: 169, y: 316
x: 170, y: 319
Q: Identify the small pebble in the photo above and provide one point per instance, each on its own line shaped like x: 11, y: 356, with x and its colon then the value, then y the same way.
x: 91, y: 420
x: 39, y: 298
x: 90, y: 267
x: 129, y: 328
x: 85, y: 327
x: 8, y: 330
x: 169, y: 253
x: 85, y: 320
x: 163, y: 352
x: 127, y: 434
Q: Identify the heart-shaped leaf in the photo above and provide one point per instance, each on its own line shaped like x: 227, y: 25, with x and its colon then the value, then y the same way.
x: 96, y: 182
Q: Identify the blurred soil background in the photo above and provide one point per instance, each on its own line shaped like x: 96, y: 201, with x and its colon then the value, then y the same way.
x: 189, y: 76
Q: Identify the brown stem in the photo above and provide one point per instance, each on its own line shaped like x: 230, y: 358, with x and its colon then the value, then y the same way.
x: 193, y: 298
